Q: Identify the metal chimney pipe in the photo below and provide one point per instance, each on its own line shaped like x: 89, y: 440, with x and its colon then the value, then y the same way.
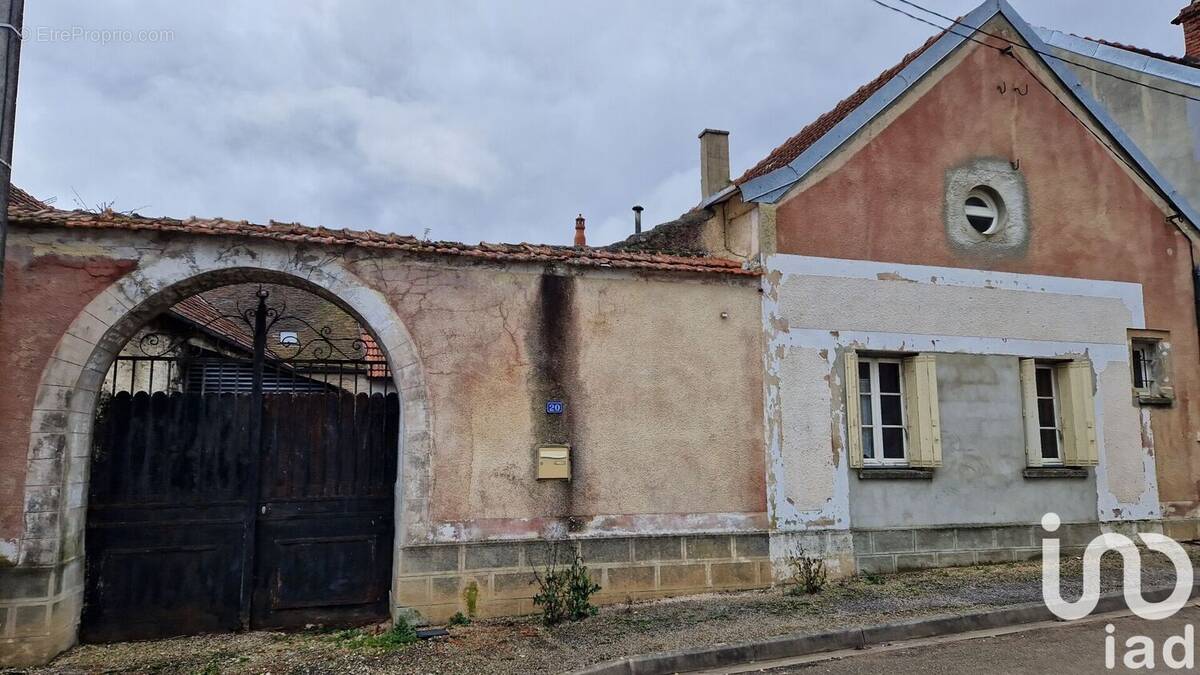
x: 637, y: 219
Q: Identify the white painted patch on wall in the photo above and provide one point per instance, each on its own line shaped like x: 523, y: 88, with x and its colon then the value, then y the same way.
x: 814, y: 308
x: 1129, y: 294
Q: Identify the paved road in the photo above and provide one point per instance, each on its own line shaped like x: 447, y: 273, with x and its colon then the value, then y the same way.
x: 1060, y: 649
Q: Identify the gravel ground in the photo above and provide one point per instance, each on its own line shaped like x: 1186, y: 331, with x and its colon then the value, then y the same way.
x: 523, y: 645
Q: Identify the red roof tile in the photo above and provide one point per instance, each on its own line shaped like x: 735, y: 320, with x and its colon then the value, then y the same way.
x: 32, y: 213
x: 376, y: 363
x: 21, y: 198
x: 796, y: 145
x: 199, y: 311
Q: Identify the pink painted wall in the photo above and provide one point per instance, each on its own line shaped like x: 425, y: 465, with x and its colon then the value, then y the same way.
x: 1088, y: 218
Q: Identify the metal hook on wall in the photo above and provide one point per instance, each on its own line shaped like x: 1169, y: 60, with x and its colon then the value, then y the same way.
x: 1023, y: 93
x: 1002, y: 87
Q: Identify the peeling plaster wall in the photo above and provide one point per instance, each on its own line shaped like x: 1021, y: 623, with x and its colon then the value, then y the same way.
x: 657, y: 388
x: 983, y: 451
x: 661, y: 375
x: 661, y: 391
x: 979, y: 323
x: 884, y: 196
x: 43, y: 294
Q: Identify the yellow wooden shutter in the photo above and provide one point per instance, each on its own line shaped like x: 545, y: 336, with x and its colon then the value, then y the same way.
x: 1029, y: 410
x: 924, y: 419
x: 1078, y: 413
x: 854, y: 448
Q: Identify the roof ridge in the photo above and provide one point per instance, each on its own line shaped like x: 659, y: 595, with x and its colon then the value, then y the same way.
x: 32, y: 212
x: 1181, y: 60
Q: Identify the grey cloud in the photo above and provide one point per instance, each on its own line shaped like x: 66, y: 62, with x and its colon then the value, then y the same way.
x: 479, y: 120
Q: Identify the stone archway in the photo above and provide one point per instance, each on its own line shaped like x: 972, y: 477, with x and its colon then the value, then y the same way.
x: 63, y: 417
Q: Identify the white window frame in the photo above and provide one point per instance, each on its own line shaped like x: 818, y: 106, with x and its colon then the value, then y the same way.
x: 877, y: 425
x: 991, y: 210
x: 1052, y: 369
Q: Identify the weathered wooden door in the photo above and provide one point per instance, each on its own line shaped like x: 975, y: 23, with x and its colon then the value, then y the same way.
x: 325, y: 518
x: 240, y: 493
x: 167, y: 515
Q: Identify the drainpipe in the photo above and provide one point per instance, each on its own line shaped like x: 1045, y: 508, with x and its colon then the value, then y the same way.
x: 11, y: 20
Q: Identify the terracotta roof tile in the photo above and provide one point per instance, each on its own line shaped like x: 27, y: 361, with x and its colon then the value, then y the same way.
x: 199, y: 311
x: 19, y: 197
x: 32, y: 213
x: 796, y: 145
x: 376, y: 363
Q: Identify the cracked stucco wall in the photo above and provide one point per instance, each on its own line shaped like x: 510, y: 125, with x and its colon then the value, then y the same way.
x: 661, y: 375
x: 816, y: 308
x: 656, y: 383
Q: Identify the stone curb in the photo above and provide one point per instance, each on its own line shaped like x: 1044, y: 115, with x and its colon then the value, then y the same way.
x: 788, y: 646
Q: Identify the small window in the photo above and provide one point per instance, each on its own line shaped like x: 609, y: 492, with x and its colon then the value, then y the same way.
x: 1058, y: 405
x: 1149, y: 353
x: 289, y: 338
x: 1049, y: 427
x: 1143, y: 364
x: 984, y: 211
x: 881, y: 402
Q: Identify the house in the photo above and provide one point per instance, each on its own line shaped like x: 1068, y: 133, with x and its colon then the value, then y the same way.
x: 961, y: 300
x: 978, y: 309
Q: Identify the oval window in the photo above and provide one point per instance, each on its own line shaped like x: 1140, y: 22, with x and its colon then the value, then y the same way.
x: 983, y: 211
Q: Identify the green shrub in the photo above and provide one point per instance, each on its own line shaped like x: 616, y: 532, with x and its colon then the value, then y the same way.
x: 459, y: 619
x: 401, y: 634
x: 564, y: 592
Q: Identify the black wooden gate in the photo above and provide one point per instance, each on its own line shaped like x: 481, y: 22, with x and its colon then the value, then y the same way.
x: 236, y: 488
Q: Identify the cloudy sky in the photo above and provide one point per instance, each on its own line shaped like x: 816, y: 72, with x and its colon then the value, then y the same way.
x: 492, y: 120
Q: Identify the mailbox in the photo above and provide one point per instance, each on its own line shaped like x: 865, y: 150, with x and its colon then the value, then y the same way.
x: 554, y: 462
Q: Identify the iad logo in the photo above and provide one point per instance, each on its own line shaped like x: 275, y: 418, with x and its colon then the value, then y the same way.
x: 1132, y: 585
x: 1140, y: 650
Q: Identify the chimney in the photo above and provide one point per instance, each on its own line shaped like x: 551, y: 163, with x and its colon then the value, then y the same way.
x: 714, y: 162
x: 580, y: 237
x: 1189, y: 18
x: 637, y: 219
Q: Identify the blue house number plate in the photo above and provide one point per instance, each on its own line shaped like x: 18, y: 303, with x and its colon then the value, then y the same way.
x: 554, y: 407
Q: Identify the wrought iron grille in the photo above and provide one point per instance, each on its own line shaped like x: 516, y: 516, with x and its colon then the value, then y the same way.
x: 220, y: 355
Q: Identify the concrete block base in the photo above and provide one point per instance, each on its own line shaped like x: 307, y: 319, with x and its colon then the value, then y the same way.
x: 835, y: 547
x: 39, y: 613
x: 896, y: 550
x: 486, y: 580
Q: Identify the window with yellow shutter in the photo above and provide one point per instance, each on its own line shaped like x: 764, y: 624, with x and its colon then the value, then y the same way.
x: 1058, y: 404
x: 892, y: 411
